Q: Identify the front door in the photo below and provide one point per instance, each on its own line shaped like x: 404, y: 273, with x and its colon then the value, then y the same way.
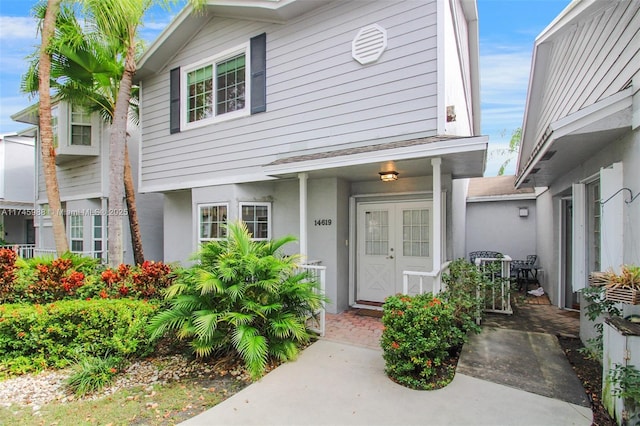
x: 392, y: 237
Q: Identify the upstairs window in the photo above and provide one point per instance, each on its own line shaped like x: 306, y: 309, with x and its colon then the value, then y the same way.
x: 55, y: 114
x: 80, y: 126
x: 228, y: 85
x: 216, y: 88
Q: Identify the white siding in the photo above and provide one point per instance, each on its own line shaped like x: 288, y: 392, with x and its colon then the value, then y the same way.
x: 318, y: 96
x: 16, y: 169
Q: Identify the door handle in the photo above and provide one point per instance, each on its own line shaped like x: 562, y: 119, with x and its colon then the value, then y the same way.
x: 389, y: 257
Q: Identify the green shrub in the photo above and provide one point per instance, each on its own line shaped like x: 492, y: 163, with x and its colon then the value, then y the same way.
x: 420, y: 337
x: 91, y: 374
x: 462, y: 283
x: 62, y: 331
x: 242, y: 296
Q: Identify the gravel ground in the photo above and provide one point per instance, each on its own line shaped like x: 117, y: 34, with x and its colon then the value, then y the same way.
x: 38, y: 389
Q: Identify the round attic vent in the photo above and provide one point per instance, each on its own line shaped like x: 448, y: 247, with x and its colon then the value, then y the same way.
x: 369, y: 44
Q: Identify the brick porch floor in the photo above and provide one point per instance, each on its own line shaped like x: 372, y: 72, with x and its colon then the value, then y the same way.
x: 530, y: 314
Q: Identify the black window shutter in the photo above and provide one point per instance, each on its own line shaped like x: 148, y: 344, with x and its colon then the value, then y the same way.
x: 174, y: 101
x: 259, y: 73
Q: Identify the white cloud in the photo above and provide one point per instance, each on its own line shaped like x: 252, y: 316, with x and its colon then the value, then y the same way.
x: 17, y: 28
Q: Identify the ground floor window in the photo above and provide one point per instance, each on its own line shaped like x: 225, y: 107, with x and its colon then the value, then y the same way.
x: 212, y: 220
x: 257, y: 216
x: 98, y: 237
x: 76, y: 233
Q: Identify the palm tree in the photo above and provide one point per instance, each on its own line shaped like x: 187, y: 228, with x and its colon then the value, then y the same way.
x: 86, y: 71
x: 120, y: 20
x: 48, y: 26
x: 510, y: 152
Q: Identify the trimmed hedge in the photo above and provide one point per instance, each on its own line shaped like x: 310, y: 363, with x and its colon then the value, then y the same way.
x: 58, y: 333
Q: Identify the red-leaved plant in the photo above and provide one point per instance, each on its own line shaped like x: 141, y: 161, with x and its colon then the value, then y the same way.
x: 7, y: 274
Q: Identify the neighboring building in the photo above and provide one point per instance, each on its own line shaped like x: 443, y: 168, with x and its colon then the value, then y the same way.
x: 287, y: 115
x: 82, y: 160
x: 17, y: 159
x: 581, y: 138
x: 500, y: 218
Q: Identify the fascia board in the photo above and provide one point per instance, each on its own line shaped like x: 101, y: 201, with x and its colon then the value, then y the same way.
x: 418, y: 151
x: 229, y: 180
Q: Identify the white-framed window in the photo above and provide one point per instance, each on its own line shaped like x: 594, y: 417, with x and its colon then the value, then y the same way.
x: 216, y: 89
x: 76, y: 233
x: 55, y: 120
x: 98, y: 237
x: 80, y: 126
x: 257, y: 216
x: 212, y: 221
x: 593, y: 223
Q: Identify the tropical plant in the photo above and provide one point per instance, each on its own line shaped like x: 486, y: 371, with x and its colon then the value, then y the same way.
x: 509, y: 152
x: 597, y: 307
x: 465, y: 284
x: 242, y: 296
x: 7, y: 274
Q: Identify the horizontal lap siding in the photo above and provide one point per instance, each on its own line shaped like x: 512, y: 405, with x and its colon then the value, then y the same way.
x: 75, y: 178
x: 592, y: 61
x: 317, y: 95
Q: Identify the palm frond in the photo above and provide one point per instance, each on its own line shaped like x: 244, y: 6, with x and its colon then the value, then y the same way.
x: 252, y: 347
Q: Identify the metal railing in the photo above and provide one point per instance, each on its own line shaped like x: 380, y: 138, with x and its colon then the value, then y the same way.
x: 317, y: 321
x: 499, y: 277
x: 435, y: 276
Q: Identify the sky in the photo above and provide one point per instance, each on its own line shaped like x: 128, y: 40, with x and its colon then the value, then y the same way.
x: 508, y: 29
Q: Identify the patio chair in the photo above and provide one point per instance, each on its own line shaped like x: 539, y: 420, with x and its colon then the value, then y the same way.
x: 483, y: 254
x: 525, y: 271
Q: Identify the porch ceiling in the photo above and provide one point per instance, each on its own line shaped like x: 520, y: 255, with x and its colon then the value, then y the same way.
x: 461, y: 158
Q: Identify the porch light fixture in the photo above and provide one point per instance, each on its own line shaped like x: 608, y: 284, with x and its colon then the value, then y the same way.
x: 523, y: 211
x: 389, y: 176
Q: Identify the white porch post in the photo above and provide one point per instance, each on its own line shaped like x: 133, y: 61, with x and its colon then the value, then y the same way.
x: 302, y: 177
x: 437, y: 213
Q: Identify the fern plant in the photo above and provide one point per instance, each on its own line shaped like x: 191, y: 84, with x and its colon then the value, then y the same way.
x: 244, y: 296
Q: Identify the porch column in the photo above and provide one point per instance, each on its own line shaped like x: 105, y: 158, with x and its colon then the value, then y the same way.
x: 437, y: 214
x: 302, y: 178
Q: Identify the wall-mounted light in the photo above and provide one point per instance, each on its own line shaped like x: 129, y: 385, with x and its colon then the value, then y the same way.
x: 523, y: 211
x: 388, y: 176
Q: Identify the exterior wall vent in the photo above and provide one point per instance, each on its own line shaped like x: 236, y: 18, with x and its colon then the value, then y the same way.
x: 369, y: 44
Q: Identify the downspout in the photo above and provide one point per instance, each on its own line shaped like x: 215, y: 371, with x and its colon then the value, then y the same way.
x: 302, y: 178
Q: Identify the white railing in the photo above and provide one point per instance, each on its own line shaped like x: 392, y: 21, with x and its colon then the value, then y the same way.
x: 499, y: 301
x: 436, y: 277
x: 28, y: 251
x: 318, y: 274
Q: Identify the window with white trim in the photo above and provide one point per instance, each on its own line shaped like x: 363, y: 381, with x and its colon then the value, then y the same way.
x: 257, y: 216
x: 98, y: 237
x: 216, y: 88
x: 76, y: 233
x: 55, y: 119
x: 80, y: 126
x: 212, y: 221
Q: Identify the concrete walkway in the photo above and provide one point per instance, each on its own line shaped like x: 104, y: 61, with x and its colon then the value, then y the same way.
x: 334, y: 383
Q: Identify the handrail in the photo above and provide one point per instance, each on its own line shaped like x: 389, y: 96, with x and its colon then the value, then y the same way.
x: 320, y: 274
x: 436, y: 274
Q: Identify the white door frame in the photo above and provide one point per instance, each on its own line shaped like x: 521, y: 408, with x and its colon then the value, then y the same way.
x: 354, y: 200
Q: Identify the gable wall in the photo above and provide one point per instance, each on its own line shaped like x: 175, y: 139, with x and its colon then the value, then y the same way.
x: 317, y: 95
x: 593, y: 60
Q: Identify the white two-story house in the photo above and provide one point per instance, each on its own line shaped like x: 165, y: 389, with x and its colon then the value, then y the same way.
x: 81, y: 143
x: 343, y: 123
x: 17, y: 159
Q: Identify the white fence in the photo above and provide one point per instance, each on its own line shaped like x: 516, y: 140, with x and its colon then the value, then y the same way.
x: 498, y: 271
x: 434, y: 276
x: 28, y: 251
x: 317, y: 321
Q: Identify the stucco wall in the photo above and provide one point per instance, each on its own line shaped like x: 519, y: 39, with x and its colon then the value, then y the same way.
x: 497, y: 226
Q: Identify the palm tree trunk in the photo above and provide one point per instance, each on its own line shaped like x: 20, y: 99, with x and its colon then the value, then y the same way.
x: 130, y: 196
x: 117, y: 143
x: 46, y: 131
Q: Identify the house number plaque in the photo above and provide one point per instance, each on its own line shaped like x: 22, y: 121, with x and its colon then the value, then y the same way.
x: 322, y: 222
